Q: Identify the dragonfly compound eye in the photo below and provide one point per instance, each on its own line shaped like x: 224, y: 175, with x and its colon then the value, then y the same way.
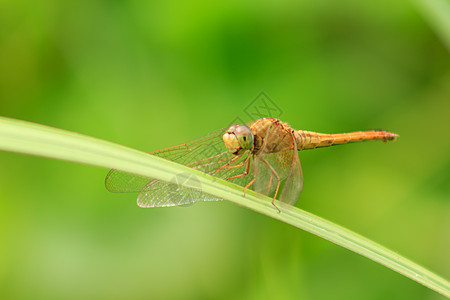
x: 244, y: 136
x: 238, y: 138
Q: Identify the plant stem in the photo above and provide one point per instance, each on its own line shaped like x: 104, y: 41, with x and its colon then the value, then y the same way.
x: 35, y: 139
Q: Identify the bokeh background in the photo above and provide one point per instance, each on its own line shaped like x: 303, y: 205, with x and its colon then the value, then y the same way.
x: 151, y: 74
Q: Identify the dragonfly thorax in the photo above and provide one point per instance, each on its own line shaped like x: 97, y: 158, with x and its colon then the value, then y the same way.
x: 238, y: 139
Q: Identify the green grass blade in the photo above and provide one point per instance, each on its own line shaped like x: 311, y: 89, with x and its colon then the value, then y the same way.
x: 437, y: 13
x: 35, y: 139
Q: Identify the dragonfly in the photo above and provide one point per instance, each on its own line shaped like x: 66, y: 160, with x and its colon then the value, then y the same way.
x: 261, y: 155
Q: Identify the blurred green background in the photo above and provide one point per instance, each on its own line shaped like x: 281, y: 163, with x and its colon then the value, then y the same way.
x: 154, y: 74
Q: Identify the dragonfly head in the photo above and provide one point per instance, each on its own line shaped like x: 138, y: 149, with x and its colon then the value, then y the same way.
x: 238, y: 139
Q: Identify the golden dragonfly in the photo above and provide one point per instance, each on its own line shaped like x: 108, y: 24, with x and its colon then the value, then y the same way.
x: 260, y: 155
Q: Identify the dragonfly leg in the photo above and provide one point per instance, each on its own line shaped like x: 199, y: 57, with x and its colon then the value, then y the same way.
x: 204, y: 160
x: 270, y: 184
x: 227, y: 164
x: 248, y: 185
x: 274, y: 173
x: 247, y: 168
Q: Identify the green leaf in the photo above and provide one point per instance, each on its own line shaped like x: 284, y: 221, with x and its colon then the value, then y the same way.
x: 35, y: 139
x: 437, y: 13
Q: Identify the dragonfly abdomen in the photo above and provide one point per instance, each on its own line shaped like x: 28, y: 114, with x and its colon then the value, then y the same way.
x: 311, y: 140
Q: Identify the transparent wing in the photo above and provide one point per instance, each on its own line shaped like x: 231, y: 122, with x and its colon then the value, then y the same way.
x: 206, y: 154
x: 265, y: 164
x: 293, y: 185
x: 286, y: 164
x: 121, y: 182
x: 159, y: 193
